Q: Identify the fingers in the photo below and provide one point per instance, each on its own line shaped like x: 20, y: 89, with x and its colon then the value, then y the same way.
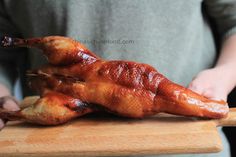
x: 209, y: 92
x: 195, y: 87
x: 8, y: 103
x: 2, y: 124
x: 214, y: 95
x: 208, y: 88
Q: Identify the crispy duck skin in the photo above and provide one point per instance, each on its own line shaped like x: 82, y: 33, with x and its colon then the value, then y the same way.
x: 52, y: 109
x: 124, y: 88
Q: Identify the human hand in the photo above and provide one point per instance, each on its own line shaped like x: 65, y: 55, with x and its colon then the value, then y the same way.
x: 215, y: 83
x: 6, y: 102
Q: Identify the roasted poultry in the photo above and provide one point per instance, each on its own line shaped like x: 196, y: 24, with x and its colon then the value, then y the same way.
x: 77, y: 82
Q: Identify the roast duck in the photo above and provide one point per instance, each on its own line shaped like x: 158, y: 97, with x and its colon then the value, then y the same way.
x: 77, y: 82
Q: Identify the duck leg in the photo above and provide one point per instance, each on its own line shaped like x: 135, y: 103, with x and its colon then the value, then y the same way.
x: 52, y: 109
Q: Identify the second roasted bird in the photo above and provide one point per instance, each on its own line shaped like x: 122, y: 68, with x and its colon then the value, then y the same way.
x: 77, y: 82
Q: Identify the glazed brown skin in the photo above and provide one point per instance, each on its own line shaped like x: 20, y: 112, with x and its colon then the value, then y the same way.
x: 122, y: 87
x: 52, y: 109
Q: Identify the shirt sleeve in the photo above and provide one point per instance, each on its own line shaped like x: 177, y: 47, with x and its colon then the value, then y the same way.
x: 8, y: 57
x: 223, y: 15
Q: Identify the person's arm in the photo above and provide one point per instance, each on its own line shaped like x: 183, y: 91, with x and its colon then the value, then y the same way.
x: 7, y: 63
x: 217, y: 82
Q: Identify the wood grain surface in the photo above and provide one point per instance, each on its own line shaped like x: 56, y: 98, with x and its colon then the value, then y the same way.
x: 107, y: 135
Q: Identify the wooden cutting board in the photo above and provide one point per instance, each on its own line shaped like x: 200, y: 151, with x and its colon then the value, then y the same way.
x: 106, y: 135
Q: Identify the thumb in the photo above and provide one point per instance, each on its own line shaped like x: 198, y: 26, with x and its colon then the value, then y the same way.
x: 2, y: 124
x: 195, y: 87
